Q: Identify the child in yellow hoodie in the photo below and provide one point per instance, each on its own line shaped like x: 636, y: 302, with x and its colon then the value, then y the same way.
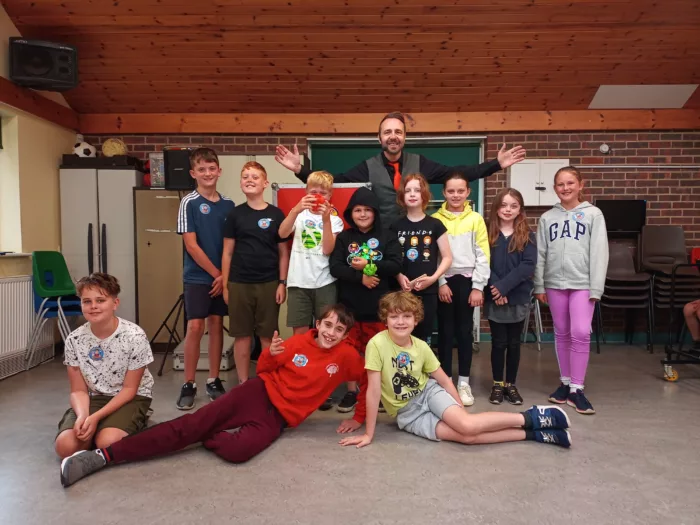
x: 461, y: 288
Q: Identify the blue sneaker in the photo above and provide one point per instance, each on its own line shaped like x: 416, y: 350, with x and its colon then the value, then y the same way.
x: 560, y: 395
x: 545, y: 417
x: 555, y: 436
x: 580, y: 403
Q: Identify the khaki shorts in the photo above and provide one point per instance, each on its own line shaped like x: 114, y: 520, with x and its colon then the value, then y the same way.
x: 130, y: 418
x: 253, y: 308
x: 306, y: 304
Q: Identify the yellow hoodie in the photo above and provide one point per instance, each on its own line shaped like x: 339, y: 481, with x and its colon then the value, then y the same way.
x: 469, y: 242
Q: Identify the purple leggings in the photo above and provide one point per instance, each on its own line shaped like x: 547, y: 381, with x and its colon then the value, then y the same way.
x: 572, y: 313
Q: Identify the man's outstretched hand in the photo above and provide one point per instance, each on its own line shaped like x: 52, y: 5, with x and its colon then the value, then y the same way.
x: 509, y: 157
x: 289, y: 159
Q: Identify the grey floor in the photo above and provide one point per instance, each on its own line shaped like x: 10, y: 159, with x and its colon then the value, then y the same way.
x: 636, y: 461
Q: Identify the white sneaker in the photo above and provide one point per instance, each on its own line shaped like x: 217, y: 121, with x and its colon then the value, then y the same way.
x: 465, y: 394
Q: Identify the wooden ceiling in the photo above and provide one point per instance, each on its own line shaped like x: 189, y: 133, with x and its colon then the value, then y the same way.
x: 347, y: 56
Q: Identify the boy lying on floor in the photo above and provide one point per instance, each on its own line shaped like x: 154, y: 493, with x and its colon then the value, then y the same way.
x: 403, y: 371
x: 294, y: 377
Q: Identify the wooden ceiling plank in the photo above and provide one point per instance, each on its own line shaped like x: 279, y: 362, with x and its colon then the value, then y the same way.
x: 366, y: 123
x: 31, y: 102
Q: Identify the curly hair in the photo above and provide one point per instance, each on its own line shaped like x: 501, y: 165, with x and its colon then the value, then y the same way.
x: 404, y: 302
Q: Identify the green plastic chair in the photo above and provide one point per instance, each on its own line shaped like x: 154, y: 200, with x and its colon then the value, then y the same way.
x: 51, y: 277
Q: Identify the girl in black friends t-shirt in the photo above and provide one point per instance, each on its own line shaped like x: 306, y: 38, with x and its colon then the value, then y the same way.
x: 426, y: 249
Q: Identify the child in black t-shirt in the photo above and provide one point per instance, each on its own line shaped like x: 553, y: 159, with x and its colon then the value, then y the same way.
x: 423, y: 240
x: 254, y: 265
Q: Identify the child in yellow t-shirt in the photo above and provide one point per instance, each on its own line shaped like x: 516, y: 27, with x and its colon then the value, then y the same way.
x: 404, y: 372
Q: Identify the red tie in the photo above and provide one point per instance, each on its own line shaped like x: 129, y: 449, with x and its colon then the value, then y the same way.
x: 397, y: 175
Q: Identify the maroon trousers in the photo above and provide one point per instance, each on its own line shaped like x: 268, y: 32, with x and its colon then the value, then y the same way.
x: 246, y: 407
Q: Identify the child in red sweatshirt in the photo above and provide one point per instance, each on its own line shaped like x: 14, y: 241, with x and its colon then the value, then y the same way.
x: 294, y: 378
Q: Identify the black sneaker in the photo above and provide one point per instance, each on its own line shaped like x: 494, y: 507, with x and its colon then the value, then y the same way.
x: 580, y: 403
x: 347, y: 404
x: 215, y: 389
x: 695, y: 349
x: 560, y: 395
x: 381, y: 408
x: 327, y: 404
x: 512, y: 395
x: 187, y: 394
x: 81, y: 464
x: 496, y: 396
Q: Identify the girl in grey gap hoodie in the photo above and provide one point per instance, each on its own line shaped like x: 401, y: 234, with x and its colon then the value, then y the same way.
x: 572, y: 246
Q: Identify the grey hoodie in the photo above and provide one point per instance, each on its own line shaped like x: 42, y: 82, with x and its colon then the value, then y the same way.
x: 572, y: 250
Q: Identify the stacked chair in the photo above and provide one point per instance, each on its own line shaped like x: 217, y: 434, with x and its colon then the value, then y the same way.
x: 663, y: 250
x: 54, y: 298
x: 675, y: 283
x: 626, y: 289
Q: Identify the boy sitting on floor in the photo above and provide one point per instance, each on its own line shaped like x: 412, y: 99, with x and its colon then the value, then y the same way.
x: 403, y: 370
x: 107, y: 359
x: 293, y: 378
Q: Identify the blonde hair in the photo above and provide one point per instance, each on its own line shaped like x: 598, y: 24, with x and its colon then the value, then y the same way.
x: 404, y: 302
x: 321, y: 179
x: 254, y: 165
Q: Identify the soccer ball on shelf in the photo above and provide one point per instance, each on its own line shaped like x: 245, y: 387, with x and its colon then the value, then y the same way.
x: 82, y: 148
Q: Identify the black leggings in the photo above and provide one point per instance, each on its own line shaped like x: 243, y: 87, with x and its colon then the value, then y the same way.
x: 424, y: 329
x: 505, y: 349
x: 456, y: 319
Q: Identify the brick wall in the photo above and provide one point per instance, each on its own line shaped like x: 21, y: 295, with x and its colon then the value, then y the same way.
x: 673, y: 195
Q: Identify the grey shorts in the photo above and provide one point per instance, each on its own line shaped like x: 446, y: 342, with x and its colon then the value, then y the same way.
x: 306, y: 304
x: 422, y: 414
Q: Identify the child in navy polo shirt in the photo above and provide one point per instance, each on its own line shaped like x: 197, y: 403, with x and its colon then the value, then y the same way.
x: 201, y: 222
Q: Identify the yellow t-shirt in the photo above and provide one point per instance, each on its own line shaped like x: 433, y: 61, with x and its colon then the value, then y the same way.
x: 405, y: 371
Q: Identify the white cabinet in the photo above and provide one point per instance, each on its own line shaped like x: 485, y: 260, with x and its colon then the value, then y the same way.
x: 97, y: 227
x: 534, y: 178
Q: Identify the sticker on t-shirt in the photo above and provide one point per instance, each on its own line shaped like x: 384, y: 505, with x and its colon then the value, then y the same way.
x: 403, y: 360
x: 310, y: 238
x: 334, y: 212
x: 332, y: 369
x: 414, y: 241
x: 204, y: 208
x: 265, y: 223
x: 579, y: 216
x: 96, y: 354
x: 427, y: 240
x: 373, y: 243
x: 353, y: 247
x: 300, y: 360
x: 309, y: 223
x: 412, y: 254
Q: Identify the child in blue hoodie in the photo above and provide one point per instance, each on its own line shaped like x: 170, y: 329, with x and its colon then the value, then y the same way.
x: 572, y: 261
x: 513, y: 257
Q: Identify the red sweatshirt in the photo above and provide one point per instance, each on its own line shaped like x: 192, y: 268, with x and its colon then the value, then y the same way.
x: 302, y: 377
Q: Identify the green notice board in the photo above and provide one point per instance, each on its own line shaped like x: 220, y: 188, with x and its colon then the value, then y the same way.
x: 340, y: 157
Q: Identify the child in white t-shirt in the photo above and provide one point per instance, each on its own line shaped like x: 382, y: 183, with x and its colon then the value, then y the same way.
x: 310, y: 285
x: 107, y: 359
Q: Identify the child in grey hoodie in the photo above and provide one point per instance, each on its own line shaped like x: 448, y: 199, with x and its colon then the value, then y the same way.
x: 572, y: 246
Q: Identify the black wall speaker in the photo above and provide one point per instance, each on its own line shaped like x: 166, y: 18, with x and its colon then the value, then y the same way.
x: 43, y: 65
x: 176, y: 163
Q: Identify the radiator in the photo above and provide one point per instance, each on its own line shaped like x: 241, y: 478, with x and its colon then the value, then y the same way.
x: 16, y: 318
